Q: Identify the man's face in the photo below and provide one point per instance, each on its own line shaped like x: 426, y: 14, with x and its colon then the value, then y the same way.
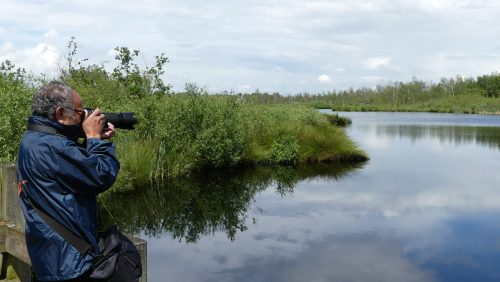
x: 73, y: 116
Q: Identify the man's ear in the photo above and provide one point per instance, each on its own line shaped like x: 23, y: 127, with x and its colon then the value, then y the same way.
x: 58, y: 115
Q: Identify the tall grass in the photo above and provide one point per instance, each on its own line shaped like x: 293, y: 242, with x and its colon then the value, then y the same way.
x: 307, y: 135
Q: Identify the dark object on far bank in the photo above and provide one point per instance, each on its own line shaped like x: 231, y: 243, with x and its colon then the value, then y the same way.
x: 338, y: 121
x: 125, y: 120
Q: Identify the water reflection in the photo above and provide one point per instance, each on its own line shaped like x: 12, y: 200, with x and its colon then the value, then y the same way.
x: 215, y: 201
x: 354, y: 258
x: 445, y: 134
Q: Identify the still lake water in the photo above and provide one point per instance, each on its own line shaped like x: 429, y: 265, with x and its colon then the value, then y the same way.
x: 426, y: 207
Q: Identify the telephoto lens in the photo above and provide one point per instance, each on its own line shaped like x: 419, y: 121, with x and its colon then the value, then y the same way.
x: 125, y: 120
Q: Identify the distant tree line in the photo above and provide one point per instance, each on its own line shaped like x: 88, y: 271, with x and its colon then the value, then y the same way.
x: 396, y: 92
x: 457, y: 94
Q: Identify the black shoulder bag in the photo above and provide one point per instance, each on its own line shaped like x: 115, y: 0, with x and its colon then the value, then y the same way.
x: 118, y: 259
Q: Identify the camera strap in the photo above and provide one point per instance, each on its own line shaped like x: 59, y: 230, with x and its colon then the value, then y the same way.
x: 44, y: 128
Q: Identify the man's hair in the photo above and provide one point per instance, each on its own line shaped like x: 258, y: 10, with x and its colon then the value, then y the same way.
x: 51, y: 96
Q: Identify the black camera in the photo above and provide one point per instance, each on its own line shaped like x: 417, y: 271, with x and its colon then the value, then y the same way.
x: 125, y: 120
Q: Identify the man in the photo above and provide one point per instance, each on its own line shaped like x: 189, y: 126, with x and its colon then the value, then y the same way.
x: 63, y: 177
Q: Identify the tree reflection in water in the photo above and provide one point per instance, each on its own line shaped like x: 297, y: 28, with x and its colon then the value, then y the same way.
x: 457, y: 135
x: 203, y: 204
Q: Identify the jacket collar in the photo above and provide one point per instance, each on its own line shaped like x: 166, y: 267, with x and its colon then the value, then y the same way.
x: 70, y: 131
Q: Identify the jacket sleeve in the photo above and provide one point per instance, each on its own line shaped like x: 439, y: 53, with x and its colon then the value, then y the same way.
x: 91, y: 170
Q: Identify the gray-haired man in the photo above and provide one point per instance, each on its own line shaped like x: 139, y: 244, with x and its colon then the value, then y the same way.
x: 63, y: 178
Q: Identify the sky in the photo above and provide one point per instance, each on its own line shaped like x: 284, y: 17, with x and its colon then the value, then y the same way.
x: 290, y: 47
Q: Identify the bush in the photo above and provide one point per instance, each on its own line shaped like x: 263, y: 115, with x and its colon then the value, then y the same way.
x: 490, y: 84
x: 15, y: 109
x: 194, y: 130
x: 337, y: 120
x: 285, y: 150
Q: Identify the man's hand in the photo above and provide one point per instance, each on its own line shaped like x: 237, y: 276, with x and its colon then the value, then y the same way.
x: 109, y: 133
x: 93, y: 124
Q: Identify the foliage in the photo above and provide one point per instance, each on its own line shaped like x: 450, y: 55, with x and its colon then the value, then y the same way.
x: 490, y: 84
x: 320, y: 105
x: 178, y: 133
x: 285, y: 150
x: 14, y: 108
x: 194, y: 130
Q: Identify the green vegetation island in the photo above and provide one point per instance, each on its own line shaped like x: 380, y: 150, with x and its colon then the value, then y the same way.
x: 179, y: 134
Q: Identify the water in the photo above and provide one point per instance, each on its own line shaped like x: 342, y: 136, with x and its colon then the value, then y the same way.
x: 426, y: 207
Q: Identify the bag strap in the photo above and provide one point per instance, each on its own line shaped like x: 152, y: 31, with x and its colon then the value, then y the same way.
x: 80, y: 244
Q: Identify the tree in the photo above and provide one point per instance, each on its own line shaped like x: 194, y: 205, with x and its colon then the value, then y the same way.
x: 490, y: 84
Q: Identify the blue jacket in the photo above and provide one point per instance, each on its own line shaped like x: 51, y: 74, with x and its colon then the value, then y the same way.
x: 63, y: 178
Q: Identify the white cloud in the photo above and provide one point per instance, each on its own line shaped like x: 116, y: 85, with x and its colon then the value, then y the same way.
x: 43, y: 58
x: 378, y: 143
x: 377, y: 62
x: 244, y: 87
x: 6, y: 47
x: 325, y: 78
x: 437, y: 5
x: 372, y: 78
x: 112, y: 52
x: 51, y: 34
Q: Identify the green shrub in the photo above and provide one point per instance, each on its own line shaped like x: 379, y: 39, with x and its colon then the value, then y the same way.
x: 337, y: 120
x: 285, y: 150
x: 490, y: 84
x: 320, y: 105
x: 15, y: 108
